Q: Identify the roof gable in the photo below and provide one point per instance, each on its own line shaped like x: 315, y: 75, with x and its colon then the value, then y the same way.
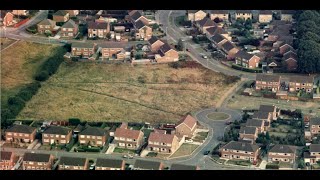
x: 162, y: 138
x: 189, y: 121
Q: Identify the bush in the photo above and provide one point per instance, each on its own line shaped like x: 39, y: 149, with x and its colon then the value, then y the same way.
x: 234, y: 66
x: 42, y: 76
x: 141, y: 79
x: 74, y: 121
x: 272, y: 166
x: 71, y: 144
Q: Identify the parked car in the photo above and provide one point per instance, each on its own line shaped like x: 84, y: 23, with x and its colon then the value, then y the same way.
x: 189, y: 141
x: 228, y: 122
x: 204, y: 57
x: 206, y: 153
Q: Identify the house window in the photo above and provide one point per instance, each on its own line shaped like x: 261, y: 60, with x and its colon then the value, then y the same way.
x: 63, y: 136
x: 88, y: 136
x: 57, y: 136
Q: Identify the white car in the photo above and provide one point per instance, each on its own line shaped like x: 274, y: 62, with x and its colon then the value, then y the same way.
x: 189, y: 141
x: 204, y: 57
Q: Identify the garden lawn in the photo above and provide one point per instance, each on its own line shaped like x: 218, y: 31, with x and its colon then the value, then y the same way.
x: 184, y: 150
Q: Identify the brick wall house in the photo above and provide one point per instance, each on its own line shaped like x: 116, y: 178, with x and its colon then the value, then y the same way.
x: 297, y: 83
x: 46, y: 25
x: 155, y: 44
x: 240, y: 150
x: 196, y: 15
x: 247, y: 60
x: 93, y: 136
x: 248, y: 133
x: 36, y: 161
x: 186, y: 126
x: 20, y: 133
x: 110, y: 164
x: 56, y: 135
x: 271, y: 82
x: 8, y: 160
x: 61, y: 16
x: 73, y: 163
x: 70, y: 29
x: 162, y: 143
x: 166, y: 54
x: 315, y: 126
x: 84, y: 50
x: 98, y: 29
x: 127, y: 138
x: 284, y: 153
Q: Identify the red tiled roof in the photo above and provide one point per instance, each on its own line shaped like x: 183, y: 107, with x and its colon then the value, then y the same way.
x: 5, y: 155
x: 127, y: 133
x: 162, y: 138
x: 189, y: 121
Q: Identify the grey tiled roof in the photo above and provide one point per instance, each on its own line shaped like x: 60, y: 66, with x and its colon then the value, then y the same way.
x: 36, y: 157
x: 260, y: 115
x: 217, y: 38
x: 70, y: 24
x: 243, y: 55
x: 21, y: 129
x: 143, y: 164
x: 267, y: 108
x: 279, y: 148
x: 115, y: 163
x: 314, y: 147
x: 72, y: 161
x: 248, y: 130
x: 241, y: 146
x: 94, y: 131
x: 57, y: 130
x: 315, y: 121
x: 267, y: 78
x: 254, y: 123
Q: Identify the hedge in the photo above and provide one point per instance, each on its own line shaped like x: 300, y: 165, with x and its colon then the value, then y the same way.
x: 71, y: 144
x: 234, y: 66
x: 272, y: 166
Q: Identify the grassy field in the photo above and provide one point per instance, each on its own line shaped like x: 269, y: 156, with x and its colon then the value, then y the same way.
x: 218, y: 116
x: 255, y: 102
x: 184, y: 150
x: 110, y: 92
x: 18, y: 66
x: 5, y: 42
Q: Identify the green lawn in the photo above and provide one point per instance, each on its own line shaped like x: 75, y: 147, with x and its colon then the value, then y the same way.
x: 240, y: 162
x: 201, y: 136
x: 124, y: 151
x: 218, y: 116
x: 285, y: 165
x: 184, y: 150
x: 152, y: 154
x: 218, y: 160
x: 280, y: 134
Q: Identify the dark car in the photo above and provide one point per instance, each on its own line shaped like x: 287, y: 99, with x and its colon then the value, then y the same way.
x: 228, y: 122
x: 206, y: 153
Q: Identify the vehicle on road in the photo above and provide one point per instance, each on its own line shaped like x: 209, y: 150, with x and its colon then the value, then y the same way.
x: 189, y: 141
x: 204, y: 56
x: 187, y: 49
x: 228, y: 122
x: 64, y: 41
x: 206, y: 153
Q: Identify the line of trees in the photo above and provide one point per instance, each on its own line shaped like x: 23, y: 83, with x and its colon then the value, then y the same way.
x: 17, y: 102
x: 308, y: 35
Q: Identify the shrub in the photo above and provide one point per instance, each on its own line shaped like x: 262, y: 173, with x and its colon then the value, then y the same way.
x: 234, y: 66
x: 272, y: 166
x: 141, y: 79
x: 74, y: 121
x: 42, y: 76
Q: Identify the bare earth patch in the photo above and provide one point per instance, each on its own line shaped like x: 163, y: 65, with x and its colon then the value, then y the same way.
x: 146, y: 93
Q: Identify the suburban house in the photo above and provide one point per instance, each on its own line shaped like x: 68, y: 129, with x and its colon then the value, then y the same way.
x: 247, y: 60
x: 20, y: 12
x: 93, y: 136
x: 259, y: 124
x: 313, y: 156
x: 248, y: 133
x: 69, y: 29
x: 21, y: 133
x: 186, y: 126
x: 204, y: 24
x: 73, y: 13
x: 262, y: 115
x: 211, y: 31
x: 196, y: 15
x: 110, y: 164
x: 243, y: 14
x: 240, y: 150
x: 8, y: 160
x: 271, y: 109
x: 73, y: 163
x: 148, y: 165
x: 265, y: 16
x: 6, y: 18
x: 229, y: 49
x: 113, y: 50
x: 218, y: 40
x: 98, y: 29
x: 166, y: 54
x: 290, y: 58
x: 83, y: 50
x: 285, y: 48
x: 259, y: 33
x: 142, y: 30
x: 221, y: 14
x: 315, y: 126
x: 162, y: 142
x: 45, y: 26
x: 287, y: 15
x: 284, y: 153
x: 56, y: 135
x: 61, y: 16
x: 136, y: 16
x: 155, y: 44
x: 297, y: 83
x: 35, y: 161
x: 128, y: 138
x: 183, y: 167
x: 271, y: 82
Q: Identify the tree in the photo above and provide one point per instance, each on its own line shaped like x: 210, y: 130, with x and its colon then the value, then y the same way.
x: 155, y: 26
x: 267, y: 136
x: 42, y: 76
x: 108, y: 36
x: 248, y: 24
x: 180, y: 45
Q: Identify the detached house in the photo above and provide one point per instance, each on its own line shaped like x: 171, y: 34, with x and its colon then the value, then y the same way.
x: 218, y: 40
x: 290, y: 58
x: 93, y: 136
x: 259, y: 124
x: 243, y: 14
x: 148, y: 165
x: 127, y: 138
x: 72, y: 163
x: 69, y: 29
x: 155, y: 44
x: 247, y: 60
x: 142, y: 30
x: 262, y: 115
x: 285, y: 48
x: 8, y: 160
x: 229, y: 49
x: 83, y: 50
x: 196, y: 15
x: 166, y: 54
x: 136, y: 16
x: 98, y: 29
x: 61, y: 16
x: 113, y: 50
x: 110, y: 164
x: 284, y: 153
x: 248, y: 133
x: 221, y: 14
x: 46, y: 25
x: 73, y: 13
x: 6, y: 18
x: 56, y: 135
x: 313, y: 156
x: 211, y: 31
x: 271, y: 109
x: 297, y: 83
x: 265, y: 16
x: 240, y: 150
x: 163, y: 143
x: 186, y: 126
x: 271, y: 82
x: 35, y: 161
x: 21, y: 133
x: 287, y: 15
x: 204, y: 24
x: 315, y: 126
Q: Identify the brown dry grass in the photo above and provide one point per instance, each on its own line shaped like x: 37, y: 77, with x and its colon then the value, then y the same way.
x: 113, y: 93
x: 5, y: 42
x: 19, y: 64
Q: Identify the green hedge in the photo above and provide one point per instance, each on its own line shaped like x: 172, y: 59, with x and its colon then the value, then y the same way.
x: 234, y: 66
x: 71, y: 144
x: 272, y: 166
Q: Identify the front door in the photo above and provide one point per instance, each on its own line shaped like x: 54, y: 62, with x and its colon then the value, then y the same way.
x: 51, y: 141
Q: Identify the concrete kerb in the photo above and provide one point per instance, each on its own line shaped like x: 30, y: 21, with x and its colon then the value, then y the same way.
x: 229, y: 116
